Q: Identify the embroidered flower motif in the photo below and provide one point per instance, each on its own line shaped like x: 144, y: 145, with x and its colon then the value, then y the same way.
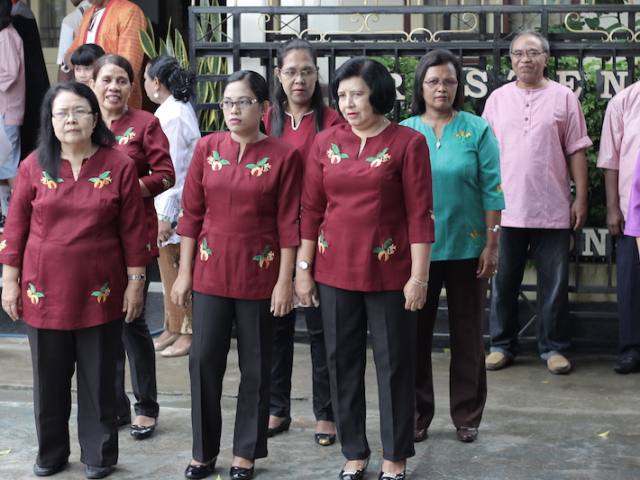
x: 379, y: 159
x: 102, y: 294
x: 475, y: 234
x: 167, y: 182
x: 463, y: 135
x: 33, y: 294
x: 386, y: 250
x: 335, y: 155
x: 499, y: 188
x: 322, y: 243
x: 3, y: 245
x: 265, y: 258
x: 148, y: 247
x: 126, y: 136
x: 216, y: 161
x: 205, y: 251
x: 257, y: 169
x: 50, y: 182
x: 432, y: 215
x: 102, y: 180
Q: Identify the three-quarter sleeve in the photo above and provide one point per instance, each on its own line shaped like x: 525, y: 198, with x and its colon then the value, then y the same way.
x: 314, y: 199
x: 16, y: 230
x: 156, y: 150
x: 133, y: 232
x: 489, y: 171
x: 193, y: 201
x: 289, y: 201
x: 632, y: 226
x: 416, y: 185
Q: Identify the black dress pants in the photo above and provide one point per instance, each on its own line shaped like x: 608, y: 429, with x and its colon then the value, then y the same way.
x: 213, y: 317
x: 282, y: 365
x: 138, y: 345
x: 346, y: 315
x: 466, y: 297
x: 628, y: 286
x: 54, y: 355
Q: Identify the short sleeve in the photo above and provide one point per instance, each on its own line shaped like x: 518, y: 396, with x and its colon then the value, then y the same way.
x: 611, y: 137
x: 576, y: 136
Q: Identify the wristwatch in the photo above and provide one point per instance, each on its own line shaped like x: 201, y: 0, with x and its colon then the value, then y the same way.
x: 302, y: 265
x: 137, y: 276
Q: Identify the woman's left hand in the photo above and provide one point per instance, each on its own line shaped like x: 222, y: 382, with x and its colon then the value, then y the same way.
x: 164, y: 231
x: 282, y: 298
x: 415, y: 296
x: 133, y: 300
x: 488, y: 262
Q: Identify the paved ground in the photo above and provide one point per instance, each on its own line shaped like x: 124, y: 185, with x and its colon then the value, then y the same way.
x: 536, y: 426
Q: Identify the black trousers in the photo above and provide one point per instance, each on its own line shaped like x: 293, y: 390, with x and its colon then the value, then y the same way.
x: 282, y: 365
x: 54, y: 355
x: 628, y: 286
x: 138, y: 345
x: 466, y: 297
x: 346, y: 315
x: 212, y: 321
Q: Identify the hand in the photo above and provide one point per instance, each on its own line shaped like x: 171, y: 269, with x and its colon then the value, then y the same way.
x: 615, y: 220
x: 12, y: 300
x: 164, y: 231
x: 282, y: 298
x: 133, y: 300
x: 305, y: 288
x: 415, y: 296
x: 181, y: 290
x: 578, y: 213
x: 488, y: 262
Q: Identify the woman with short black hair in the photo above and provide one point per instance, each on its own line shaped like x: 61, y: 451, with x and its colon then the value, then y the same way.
x: 366, y: 209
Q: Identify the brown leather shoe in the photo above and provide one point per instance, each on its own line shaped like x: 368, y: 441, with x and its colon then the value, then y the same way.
x: 497, y: 361
x: 420, y: 435
x: 558, y: 364
x: 467, y: 434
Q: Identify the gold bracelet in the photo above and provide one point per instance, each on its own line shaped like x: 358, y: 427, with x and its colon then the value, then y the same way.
x: 419, y: 282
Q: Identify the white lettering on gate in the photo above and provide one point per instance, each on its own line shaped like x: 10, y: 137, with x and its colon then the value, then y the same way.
x: 595, y: 239
x: 476, y: 84
x: 609, y: 80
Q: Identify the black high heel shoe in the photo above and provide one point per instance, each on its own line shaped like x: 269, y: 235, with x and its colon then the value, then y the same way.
x: 200, y: 471
x: 241, y: 473
x: 325, y: 439
x: 357, y: 474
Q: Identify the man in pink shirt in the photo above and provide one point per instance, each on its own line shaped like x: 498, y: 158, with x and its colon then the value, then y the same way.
x: 619, y: 149
x: 543, y: 136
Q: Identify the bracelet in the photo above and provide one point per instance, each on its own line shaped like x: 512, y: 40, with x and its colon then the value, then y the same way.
x: 419, y: 282
x: 494, y: 229
x: 137, y: 276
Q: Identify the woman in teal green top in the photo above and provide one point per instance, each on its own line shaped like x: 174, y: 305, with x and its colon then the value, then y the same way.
x: 467, y: 199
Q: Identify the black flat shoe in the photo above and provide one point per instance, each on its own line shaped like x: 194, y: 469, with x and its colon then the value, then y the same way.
x: 627, y: 365
x: 241, y: 473
x: 200, y: 471
x: 420, y: 435
x: 467, y: 434
x: 283, y: 427
x: 48, y: 471
x: 95, y: 471
x: 354, y: 474
x: 140, y: 432
x: 325, y: 439
x: 392, y: 476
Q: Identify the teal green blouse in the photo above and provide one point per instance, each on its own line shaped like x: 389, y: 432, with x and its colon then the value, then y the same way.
x: 465, y: 170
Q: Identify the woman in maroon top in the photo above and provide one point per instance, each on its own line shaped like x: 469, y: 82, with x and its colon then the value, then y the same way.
x: 139, y: 135
x: 366, y: 208
x: 297, y: 114
x: 241, y: 202
x: 71, y: 239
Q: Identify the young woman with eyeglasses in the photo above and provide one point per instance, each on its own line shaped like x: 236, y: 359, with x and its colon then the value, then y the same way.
x: 239, y: 233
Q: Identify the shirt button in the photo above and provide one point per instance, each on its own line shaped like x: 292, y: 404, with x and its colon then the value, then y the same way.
x: 526, y: 119
x: 527, y: 105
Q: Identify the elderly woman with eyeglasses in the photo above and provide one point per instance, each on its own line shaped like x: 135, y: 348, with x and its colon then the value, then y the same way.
x: 465, y: 160
x: 239, y: 232
x: 76, y: 201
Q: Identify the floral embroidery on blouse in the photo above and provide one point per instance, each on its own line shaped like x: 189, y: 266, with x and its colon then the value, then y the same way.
x: 102, y: 294
x: 335, y: 155
x: 385, y: 251
x: 3, y: 245
x: 475, y: 234
x: 259, y: 168
x: 126, y: 136
x: 463, y: 135
x: 265, y: 258
x: 102, y: 180
x: 379, y: 159
x: 216, y: 161
x: 205, y: 251
x: 167, y: 182
x: 50, y: 182
x: 322, y: 242
x: 499, y: 188
x: 33, y: 294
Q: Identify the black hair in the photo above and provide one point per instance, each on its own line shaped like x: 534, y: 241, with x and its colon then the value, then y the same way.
x: 5, y: 14
x: 113, y: 59
x: 179, y: 82
x: 279, y: 97
x: 48, y: 143
x: 257, y: 83
x: 433, y: 59
x: 86, y: 54
x: 383, y: 89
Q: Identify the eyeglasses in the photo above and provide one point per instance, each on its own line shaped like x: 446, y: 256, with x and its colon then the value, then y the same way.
x: 519, y: 54
x: 447, y: 83
x: 291, y: 73
x: 241, y: 103
x: 77, y: 113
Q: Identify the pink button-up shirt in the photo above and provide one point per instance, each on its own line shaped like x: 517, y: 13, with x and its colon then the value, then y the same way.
x: 620, y: 140
x: 536, y: 129
x: 11, y: 76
